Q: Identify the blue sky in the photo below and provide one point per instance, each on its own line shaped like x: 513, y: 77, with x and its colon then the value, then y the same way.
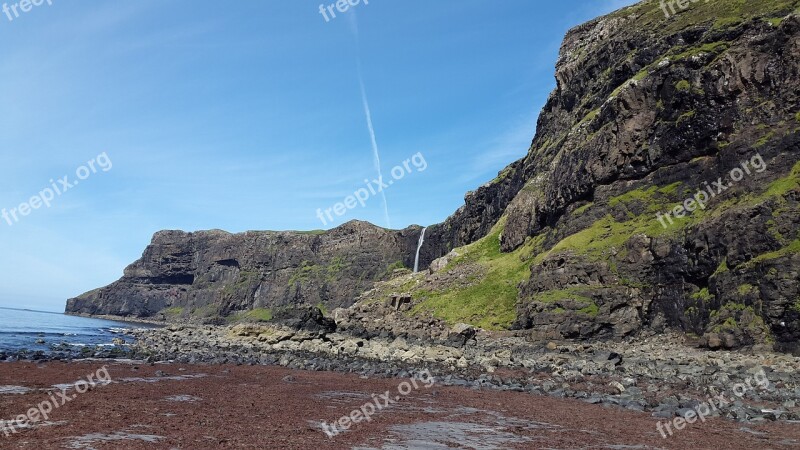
x: 249, y: 116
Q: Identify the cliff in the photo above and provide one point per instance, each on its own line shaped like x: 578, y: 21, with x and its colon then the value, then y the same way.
x: 210, y: 275
x: 581, y: 238
x: 660, y: 192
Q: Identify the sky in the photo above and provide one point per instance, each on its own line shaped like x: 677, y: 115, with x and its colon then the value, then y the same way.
x: 252, y: 115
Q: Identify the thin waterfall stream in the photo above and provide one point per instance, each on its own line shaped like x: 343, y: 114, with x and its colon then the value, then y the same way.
x: 419, y: 246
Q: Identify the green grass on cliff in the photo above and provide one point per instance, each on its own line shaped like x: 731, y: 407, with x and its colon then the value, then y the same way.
x: 243, y: 283
x: 206, y: 312
x: 309, y: 271
x: 173, y: 313
x: 491, y: 301
x: 650, y: 197
x: 776, y: 190
x: 254, y: 315
x: 571, y: 294
x: 703, y: 295
x: 607, y: 235
x: 720, y: 14
x: 792, y: 248
x: 397, y: 265
x: 714, y: 48
x: 604, y: 236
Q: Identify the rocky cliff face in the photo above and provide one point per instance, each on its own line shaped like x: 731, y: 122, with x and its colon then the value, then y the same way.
x: 581, y: 238
x: 649, y: 112
x: 214, y: 274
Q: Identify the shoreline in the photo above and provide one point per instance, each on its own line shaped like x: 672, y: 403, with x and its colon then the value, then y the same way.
x: 124, y: 319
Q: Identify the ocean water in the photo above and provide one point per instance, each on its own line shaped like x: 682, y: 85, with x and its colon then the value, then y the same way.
x: 25, y: 330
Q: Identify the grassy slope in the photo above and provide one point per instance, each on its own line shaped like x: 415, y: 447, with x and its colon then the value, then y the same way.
x: 490, y: 301
x: 607, y: 234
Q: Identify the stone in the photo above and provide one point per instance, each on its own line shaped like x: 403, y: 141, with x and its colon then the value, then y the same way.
x: 397, y: 301
x: 440, y: 263
x: 617, y: 386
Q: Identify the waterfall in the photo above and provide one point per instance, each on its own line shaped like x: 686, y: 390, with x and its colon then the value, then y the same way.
x: 419, y: 246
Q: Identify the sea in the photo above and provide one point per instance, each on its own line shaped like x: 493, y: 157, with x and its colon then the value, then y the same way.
x: 22, y: 329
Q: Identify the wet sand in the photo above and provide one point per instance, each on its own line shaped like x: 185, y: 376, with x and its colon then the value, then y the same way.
x: 263, y: 407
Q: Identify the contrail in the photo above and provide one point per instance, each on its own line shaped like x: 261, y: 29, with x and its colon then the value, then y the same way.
x: 376, y: 156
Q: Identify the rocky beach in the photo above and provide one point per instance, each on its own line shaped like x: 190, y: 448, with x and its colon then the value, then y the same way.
x: 647, y: 380
x: 630, y: 283
x: 618, y: 391
x: 661, y: 375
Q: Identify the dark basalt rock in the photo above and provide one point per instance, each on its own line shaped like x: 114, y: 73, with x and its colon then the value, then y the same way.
x: 211, y: 274
x: 683, y: 109
x: 308, y: 319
